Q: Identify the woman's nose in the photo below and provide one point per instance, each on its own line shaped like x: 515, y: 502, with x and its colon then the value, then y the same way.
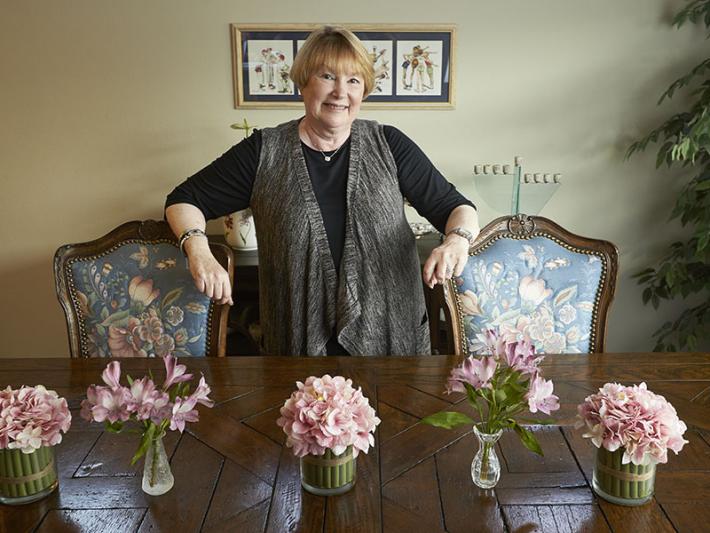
x: 339, y: 87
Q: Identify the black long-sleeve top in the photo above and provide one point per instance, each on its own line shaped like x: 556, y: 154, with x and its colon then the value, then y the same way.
x: 225, y: 185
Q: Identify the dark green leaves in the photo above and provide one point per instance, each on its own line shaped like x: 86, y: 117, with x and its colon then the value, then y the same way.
x: 528, y: 439
x: 447, y: 419
x: 145, y: 443
x: 685, y: 140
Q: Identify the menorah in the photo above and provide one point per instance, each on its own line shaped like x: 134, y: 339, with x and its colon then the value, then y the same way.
x: 494, y: 181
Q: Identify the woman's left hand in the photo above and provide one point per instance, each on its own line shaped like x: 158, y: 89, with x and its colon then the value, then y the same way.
x: 446, y: 260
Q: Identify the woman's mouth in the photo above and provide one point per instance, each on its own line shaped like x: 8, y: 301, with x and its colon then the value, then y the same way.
x: 336, y: 107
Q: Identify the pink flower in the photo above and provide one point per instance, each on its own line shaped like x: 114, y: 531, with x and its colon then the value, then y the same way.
x: 31, y: 417
x: 111, y: 405
x: 328, y: 413
x: 201, y: 393
x: 644, y: 424
x: 520, y: 355
x: 476, y: 372
x: 162, y: 408
x: 143, y: 395
x: 183, y: 411
x: 143, y: 402
x: 540, y: 396
x: 174, y: 373
x: 112, y: 374
x: 28, y: 440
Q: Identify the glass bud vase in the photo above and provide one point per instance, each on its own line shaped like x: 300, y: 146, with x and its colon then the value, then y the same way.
x: 623, y: 484
x: 27, y: 477
x: 329, y: 474
x: 485, y: 468
x: 157, y: 476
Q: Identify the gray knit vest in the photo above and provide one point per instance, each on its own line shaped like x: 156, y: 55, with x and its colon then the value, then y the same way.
x: 375, y: 303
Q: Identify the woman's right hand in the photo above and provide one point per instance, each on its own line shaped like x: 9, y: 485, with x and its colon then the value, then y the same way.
x: 209, y: 276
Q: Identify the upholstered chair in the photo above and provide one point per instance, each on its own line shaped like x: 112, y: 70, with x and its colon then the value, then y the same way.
x: 130, y: 294
x: 527, y: 276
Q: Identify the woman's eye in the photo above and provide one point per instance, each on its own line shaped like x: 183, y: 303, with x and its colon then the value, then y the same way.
x: 328, y: 76
x: 354, y: 80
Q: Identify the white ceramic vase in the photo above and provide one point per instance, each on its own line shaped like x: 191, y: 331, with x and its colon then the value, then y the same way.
x: 240, y: 231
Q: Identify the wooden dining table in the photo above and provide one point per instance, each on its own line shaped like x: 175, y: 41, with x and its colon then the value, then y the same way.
x: 233, y: 471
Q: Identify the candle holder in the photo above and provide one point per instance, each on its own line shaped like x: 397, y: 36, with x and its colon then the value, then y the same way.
x: 505, y: 188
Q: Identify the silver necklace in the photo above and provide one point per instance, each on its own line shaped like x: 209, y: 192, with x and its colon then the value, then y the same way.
x: 331, y: 156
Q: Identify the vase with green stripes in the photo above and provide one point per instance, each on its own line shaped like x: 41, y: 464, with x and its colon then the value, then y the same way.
x: 624, y: 484
x: 329, y: 474
x: 27, y: 477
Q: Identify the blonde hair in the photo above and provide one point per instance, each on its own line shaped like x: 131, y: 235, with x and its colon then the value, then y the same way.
x: 333, y: 47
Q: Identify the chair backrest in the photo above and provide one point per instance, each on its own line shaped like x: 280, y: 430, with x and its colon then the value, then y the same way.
x: 528, y: 276
x: 130, y: 294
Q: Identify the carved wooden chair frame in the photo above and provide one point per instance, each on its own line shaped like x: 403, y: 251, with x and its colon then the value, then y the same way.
x: 137, y: 231
x: 524, y: 227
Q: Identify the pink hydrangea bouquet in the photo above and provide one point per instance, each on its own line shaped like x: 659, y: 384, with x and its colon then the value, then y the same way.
x: 327, y: 413
x: 327, y: 423
x: 32, y: 420
x: 645, y: 425
x: 32, y: 417
x: 633, y: 429
x: 155, y: 409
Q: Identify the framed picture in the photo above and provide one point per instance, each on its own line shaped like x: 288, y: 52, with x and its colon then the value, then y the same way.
x: 414, y: 65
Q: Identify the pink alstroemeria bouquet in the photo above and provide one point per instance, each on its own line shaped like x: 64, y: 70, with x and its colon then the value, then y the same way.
x: 500, y: 387
x: 32, y: 420
x: 327, y: 423
x: 155, y: 410
x: 633, y: 429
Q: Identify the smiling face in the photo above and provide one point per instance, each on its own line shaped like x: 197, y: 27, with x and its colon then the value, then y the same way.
x: 332, y: 98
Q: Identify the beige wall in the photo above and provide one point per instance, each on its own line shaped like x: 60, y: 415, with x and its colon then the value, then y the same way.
x: 105, y: 105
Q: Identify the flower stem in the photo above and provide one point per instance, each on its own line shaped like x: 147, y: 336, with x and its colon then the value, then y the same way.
x: 154, y: 461
x: 484, y: 462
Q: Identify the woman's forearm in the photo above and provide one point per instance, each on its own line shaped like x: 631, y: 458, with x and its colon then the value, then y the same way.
x: 464, y: 216
x: 182, y: 217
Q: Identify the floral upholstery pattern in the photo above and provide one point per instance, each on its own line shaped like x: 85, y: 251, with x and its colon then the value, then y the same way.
x: 533, y: 287
x: 139, y: 300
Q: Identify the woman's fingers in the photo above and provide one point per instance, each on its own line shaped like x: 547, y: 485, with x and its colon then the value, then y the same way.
x: 211, y: 278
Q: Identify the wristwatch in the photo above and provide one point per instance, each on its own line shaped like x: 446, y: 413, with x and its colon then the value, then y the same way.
x: 461, y: 232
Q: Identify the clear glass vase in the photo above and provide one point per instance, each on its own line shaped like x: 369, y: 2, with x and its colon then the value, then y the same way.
x: 157, y: 476
x: 27, y: 477
x: 623, y: 484
x: 485, y: 468
x: 329, y: 474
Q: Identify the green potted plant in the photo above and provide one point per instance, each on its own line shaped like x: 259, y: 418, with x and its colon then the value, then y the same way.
x: 684, y: 141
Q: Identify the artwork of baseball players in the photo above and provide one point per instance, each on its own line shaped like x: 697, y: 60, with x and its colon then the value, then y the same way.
x: 269, y: 66
x: 413, y: 65
x: 420, y: 67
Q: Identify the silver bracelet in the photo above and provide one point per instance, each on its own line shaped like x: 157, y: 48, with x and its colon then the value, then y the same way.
x: 186, y: 235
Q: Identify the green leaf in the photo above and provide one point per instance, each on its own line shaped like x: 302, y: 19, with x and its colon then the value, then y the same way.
x: 447, y: 419
x: 113, y: 427
x: 528, y: 439
x: 145, y: 443
x: 116, y: 317
x: 171, y: 297
x: 129, y: 379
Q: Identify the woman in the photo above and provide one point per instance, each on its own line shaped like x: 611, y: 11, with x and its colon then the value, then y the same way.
x: 338, y: 266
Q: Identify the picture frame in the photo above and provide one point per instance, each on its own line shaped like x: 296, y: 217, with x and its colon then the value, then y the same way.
x: 414, y: 64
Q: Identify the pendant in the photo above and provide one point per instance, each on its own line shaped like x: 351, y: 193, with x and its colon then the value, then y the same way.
x: 327, y: 158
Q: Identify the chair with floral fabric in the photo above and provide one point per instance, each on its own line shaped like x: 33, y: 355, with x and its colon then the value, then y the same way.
x: 528, y: 277
x: 130, y: 294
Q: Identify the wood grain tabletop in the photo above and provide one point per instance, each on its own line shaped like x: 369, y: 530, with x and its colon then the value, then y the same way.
x: 233, y: 472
